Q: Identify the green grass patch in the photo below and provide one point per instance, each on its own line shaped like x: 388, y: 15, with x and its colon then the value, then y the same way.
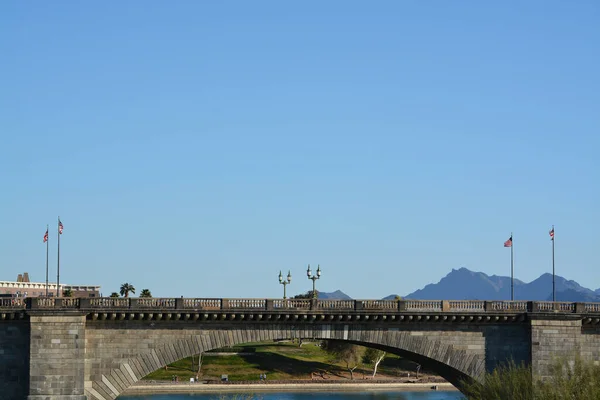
x: 283, y: 360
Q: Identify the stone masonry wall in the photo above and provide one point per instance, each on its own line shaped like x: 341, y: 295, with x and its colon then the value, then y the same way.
x: 590, y: 343
x: 14, y: 356
x: 57, y: 357
x: 506, y: 342
x: 119, y: 353
x: 552, y: 339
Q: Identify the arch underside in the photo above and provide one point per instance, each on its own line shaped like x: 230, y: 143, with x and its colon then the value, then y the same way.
x: 454, y: 365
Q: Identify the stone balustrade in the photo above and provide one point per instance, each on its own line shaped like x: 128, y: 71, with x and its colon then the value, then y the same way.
x: 384, y: 306
x: 13, y: 302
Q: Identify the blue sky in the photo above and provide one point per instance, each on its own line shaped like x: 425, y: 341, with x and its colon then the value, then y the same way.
x: 197, y: 148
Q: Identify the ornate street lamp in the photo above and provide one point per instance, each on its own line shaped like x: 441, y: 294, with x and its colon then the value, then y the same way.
x: 284, y: 282
x: 314, y: 278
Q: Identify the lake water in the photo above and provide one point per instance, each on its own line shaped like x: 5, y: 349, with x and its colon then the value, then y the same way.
x: 429, y: 395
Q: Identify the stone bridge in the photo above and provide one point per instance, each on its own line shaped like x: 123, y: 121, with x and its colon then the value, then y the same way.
x: 95, y: 348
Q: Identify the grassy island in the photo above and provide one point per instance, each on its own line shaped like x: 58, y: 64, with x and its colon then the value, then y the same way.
x: 285, y: 360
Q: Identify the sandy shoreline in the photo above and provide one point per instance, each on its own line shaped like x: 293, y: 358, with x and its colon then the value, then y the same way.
x: 147, y: 388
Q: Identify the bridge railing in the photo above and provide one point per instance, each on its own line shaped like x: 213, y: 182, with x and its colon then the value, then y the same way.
x: 511, y: 306
x: 244, y: 304
x: 203, y: 304
x: 45, y: 303
x: 466, y: 305
x: 12, y: 302
x: 301, y: 304
x: 109, y: 302
x: 390, y: 305
x: 555, y: 306
x: 384, y: 306
x: 423, y: 305
x: 335, y: 304
x: 592, y: 307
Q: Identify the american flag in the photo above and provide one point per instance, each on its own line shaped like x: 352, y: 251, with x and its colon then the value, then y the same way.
x: 46, y: 236
x: 60, y: 227
x: 508, y: 243
x: 551, y: 233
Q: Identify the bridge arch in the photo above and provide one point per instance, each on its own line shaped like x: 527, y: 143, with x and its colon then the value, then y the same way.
x: 144, y: 349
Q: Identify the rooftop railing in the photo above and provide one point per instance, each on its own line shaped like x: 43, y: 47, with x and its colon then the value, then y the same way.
x: 300, y: 305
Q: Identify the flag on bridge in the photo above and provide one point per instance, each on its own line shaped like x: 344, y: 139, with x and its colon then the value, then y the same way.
x: 46, y: 241
x: 553, y: 269
x: 509, y: 243
x: 60, y: 231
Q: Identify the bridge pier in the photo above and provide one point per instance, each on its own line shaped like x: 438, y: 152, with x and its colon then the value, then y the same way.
x: 554, y: 336
x: 57, y: 355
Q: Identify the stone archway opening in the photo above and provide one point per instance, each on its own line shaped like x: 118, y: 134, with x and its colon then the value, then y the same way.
x: 169, y: 345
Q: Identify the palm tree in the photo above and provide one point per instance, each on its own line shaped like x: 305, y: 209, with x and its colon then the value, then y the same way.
x: 126, y: 288
x: 145, y: 293
x: 68, y: 292
x: 114, y: 294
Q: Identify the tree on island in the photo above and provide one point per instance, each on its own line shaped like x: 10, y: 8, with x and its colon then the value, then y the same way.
x: 307, y: 295
x: 127, y: 288
x: 145, y: 293
x: 373, y: 356
x: 199, y: 363
x: 348, y: 353
x: 114, y: 294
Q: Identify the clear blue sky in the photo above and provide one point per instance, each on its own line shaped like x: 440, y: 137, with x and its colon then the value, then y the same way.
x: 197, y: 148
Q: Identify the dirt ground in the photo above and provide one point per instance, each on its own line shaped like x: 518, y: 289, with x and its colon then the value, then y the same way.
x: 362, y: 376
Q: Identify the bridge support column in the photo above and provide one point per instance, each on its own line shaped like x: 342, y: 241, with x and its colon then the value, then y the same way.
x: 57, y: 356
x: 552, y: 337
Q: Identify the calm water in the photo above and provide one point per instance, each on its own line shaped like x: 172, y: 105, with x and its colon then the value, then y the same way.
x: 439, y: 395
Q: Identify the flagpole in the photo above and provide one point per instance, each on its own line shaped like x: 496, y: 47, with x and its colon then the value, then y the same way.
x: 553, y: 274
x: 512, y: 268
x: 58, y: 261
x: 47, y: 244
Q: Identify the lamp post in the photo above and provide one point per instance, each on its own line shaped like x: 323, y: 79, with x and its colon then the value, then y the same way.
x: 285, y: 282
x: 314, y: 278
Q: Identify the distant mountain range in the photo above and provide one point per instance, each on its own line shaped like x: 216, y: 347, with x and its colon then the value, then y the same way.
x: 464, y: 284
x: 337, y: 295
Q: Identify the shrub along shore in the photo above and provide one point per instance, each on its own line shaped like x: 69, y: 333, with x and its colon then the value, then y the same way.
x: 574, y: 380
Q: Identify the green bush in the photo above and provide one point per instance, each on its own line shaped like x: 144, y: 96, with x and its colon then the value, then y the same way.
x: 509, y: 381
x: 574, y: 380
